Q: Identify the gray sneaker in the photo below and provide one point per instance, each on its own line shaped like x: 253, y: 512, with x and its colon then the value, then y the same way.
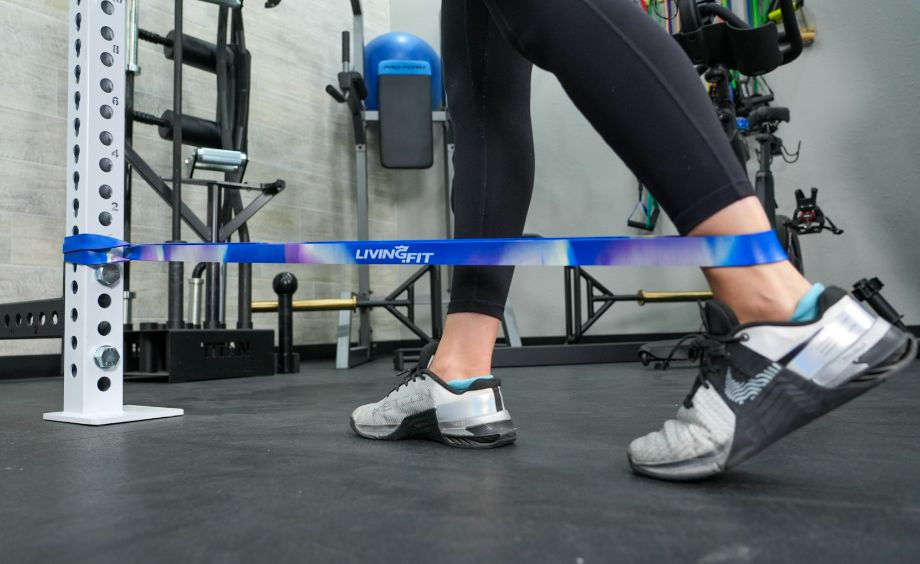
x: 424, y: 407
x: 760, y: 381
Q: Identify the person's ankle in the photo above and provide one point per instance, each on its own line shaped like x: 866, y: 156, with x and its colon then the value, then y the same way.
x: 760, y: 293
x: 450, y: 369
x: 776, y: 305
x: 772, y: 309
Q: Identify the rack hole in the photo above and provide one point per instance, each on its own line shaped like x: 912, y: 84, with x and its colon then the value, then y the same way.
x: 104, y: 384
x: 6, y: 320
x: 76, y: 231
x: 76, y: 126
x: 76, y: 73
x: 76, y: 181
x: 74, y: 286
x: 18, y: 320
x: 76, y: 207
x: 107, y: 33
x: 106, y: 111
x: 77, y: 46
x: 73, y: 343
x: 42, y: 319
x: 108, y: 8
x: 105, y: 218
x: 76, y: 154
x: 105, y: 165
x: 30, y: 320
x: 73, y: 314
x: 79, y: 21
x: 76, y: 99
x: 104, y: 328
x: 104, y: 300
x: 106, y: 85
x: 54, y: 318
x: 106, y: 138
x: 107, y: 59
x: 73, y: 370
x: 105, y: 191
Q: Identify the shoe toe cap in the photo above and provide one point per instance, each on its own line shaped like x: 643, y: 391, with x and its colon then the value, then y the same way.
x: 363, y: 414
x: 650, y: 449
x: 676, y: 442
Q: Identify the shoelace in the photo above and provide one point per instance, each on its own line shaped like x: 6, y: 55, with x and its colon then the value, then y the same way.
x: 707, y: 349
x: 407, y: 376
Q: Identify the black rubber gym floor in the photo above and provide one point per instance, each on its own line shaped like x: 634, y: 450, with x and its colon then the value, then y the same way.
x: 267, y: 470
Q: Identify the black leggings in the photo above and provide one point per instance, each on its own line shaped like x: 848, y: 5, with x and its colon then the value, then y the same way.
x: 623, y: 72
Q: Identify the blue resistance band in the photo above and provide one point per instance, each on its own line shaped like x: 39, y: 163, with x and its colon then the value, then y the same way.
x: 719, y: 251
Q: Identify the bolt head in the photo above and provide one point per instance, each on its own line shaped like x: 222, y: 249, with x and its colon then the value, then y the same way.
x: 106, y: 357
x: 108, y: 274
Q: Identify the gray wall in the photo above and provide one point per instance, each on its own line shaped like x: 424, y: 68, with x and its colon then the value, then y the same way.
x: 851, y: 96
x: 853, y: 104
x: 297, y: 133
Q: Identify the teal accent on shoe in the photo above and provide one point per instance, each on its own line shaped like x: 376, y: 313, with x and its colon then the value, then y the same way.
x: 807, y: 310
x: 464, y: 385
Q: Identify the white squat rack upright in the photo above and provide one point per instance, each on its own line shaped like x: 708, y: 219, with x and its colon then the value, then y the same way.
x: 93, y: 331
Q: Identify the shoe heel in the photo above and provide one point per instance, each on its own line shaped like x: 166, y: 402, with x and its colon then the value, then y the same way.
x: 485, y: 435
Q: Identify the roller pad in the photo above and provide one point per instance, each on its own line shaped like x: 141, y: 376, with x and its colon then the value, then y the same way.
x: 406, y: 137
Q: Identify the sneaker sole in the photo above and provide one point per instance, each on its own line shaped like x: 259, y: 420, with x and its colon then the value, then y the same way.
x: 699, y: 468
x: 710, y: 465
x: 424, y: 426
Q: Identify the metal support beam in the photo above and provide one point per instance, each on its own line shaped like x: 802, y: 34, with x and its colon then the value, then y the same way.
x: 94, y: 196
x: 364, y: 275
x: 40, y: 319
x: 176, y: 291
x: 239, y: 219
x: 165, y: 192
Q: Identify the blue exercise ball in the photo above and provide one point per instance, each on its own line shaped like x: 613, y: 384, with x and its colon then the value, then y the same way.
x: 401, y: 47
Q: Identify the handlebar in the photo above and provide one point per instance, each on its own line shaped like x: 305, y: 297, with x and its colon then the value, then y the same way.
x: 336, y: 95
x: 724, y: 13
x: 793, y: 36
x: 790, y: 41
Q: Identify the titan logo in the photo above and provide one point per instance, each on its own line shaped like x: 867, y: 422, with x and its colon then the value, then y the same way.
x: 741, y: 392
x: 226, y: 349
x: 400, y: 253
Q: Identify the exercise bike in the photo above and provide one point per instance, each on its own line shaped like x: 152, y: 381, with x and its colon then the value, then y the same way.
x: 721, y: 44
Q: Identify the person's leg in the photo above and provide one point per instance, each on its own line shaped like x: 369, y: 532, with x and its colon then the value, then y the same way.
x: 450, y: 395
x: 642, y: 96
x: 758, y: 381
x: 488, y: 92
x: 767, y: 292
x: 640, y: 92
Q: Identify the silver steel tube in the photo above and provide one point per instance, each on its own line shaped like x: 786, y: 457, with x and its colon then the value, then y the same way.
x: 357, y: 52
x: 195, y: 301
x: 131, y: 36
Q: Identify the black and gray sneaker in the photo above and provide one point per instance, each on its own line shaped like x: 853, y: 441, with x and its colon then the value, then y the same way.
x: 761, y: 381
x: 424, y: 407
